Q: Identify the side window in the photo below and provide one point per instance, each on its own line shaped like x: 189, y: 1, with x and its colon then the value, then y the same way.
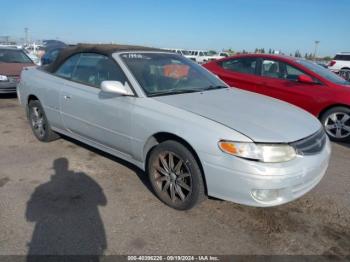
x: 271, y: 68
x: 67, y: 68
x: 280, y: 70
x: 240, y: 65
x: 92, y: 69
x: 293, y: 73
x: 201, y: 54
x: 342, y: 57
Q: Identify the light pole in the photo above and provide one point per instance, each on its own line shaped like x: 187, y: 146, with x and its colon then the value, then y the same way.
x: 26, y: 35
x: 316, y: 47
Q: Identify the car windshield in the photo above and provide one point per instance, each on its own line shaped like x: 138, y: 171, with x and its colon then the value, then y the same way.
x: 330, y: 76
x: 166, y: 74
x: 13, y: 56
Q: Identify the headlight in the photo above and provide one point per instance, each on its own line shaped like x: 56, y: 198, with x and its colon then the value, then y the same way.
x: 269, y: 153
x: 3, y: 78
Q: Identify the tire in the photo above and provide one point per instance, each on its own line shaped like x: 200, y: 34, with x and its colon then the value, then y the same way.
x: 345, y: 73
x: 181, y: 186
x: 39, y: 123
x: 336, y: 122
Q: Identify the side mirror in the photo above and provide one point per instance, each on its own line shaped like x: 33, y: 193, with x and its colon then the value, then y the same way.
x: 305, y: 79
x: 116, y: 87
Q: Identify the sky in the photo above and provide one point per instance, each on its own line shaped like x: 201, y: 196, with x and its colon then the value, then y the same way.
x: 286, y: 25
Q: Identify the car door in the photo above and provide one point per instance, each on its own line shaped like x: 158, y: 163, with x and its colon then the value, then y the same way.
x: 279, y: 79
x: 92, y: 114
x: 240, y: 72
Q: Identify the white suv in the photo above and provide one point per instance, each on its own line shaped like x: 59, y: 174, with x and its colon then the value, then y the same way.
x: 200, y: 56
x: 341, y: 61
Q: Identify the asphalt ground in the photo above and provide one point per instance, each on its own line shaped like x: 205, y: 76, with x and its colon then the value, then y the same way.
x: 67, y: 198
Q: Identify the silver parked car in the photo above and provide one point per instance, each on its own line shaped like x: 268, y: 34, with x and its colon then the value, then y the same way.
x: 194, y: 136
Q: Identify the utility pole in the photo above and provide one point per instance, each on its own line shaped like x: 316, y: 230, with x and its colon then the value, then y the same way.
x: 26, y: 35
x: 316, y: 47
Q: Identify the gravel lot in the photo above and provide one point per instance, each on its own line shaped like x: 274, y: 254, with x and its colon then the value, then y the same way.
x: 101, y: 204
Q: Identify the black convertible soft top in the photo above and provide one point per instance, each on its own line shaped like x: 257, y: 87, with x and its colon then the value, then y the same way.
x: 103, y: 49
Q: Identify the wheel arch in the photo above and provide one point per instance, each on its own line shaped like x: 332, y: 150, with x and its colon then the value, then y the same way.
x: 320, y: 115
x: 31, y: 98
x: 160, y: 137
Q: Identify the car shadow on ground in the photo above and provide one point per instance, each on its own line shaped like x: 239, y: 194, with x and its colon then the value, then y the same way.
x: 66, y: 216
x: 8, y: 96
x: 140, y: 173
x: 344, y: 144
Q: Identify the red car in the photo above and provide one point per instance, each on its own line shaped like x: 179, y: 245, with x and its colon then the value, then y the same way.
x: 294, y: 80
x: 12, y: 61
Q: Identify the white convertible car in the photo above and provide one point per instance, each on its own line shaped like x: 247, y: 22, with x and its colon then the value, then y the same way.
x: 191, y: 134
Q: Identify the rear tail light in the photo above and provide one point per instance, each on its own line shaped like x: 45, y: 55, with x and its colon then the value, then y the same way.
x: 332, y: 63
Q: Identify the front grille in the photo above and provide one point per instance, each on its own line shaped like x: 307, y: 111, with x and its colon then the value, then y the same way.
x: 312, y: 144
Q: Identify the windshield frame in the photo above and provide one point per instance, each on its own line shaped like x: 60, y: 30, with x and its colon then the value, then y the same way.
x: 139, y: 89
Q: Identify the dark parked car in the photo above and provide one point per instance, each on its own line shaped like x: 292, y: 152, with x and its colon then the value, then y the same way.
x: 294, y: 80
x: 12, y: 62
x: 50, y: 55
x: 52, y: 49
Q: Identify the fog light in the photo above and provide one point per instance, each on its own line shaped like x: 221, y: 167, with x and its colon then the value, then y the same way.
x: 267, y: 195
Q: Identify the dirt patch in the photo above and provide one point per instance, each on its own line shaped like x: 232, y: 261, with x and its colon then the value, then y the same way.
x: 4, y: 181
x: 138, y: 243
x: 6, y: 105
x: 307, y: 224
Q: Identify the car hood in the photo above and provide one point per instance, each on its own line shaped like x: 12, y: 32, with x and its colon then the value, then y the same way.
x: 12, y: 69
x: 261, y: 118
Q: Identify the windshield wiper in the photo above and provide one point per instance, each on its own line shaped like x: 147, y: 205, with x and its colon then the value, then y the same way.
x: 214, y: 87
x: 182, y: 91
x: 174, y: 92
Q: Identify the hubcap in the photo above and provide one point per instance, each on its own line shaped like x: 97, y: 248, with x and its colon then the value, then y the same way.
x: 345, y: 73
x: 337, y: 125
x: 172, y: 177
x: 38, y: 121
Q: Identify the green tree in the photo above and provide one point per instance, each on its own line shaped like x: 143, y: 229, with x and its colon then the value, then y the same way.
x: 297, y: 53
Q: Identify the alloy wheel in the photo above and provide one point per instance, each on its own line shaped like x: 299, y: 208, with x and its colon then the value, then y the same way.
x: 38, y: 121
x: 172, y: 177
x: 337, y: 125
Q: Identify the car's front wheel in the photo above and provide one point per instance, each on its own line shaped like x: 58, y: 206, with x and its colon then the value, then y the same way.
x: 175, y: 175
x: 336, y: 122
x: 38, y: 122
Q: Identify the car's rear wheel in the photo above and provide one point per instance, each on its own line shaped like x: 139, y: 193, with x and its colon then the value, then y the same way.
x: 336, y: 122
x: 38, y: 122
x: 175, y: 175
x: 345, y: 73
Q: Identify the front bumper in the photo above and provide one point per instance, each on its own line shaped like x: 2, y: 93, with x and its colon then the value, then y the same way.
x: 8, y: 87
x: 235, y: 179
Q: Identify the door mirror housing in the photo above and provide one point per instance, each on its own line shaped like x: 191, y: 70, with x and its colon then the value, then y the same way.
x: 305, y: 79
x: 116, y: 87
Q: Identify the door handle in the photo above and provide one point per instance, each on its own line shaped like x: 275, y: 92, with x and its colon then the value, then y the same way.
x: 67, y: 97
